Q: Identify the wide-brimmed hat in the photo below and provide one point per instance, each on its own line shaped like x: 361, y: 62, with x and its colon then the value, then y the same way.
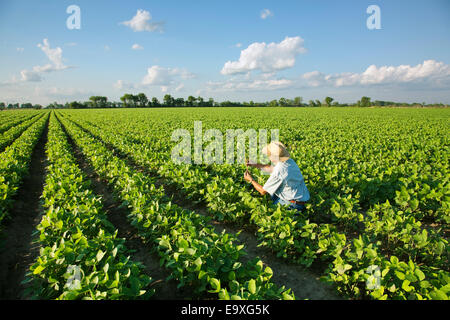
x: 276, y: 150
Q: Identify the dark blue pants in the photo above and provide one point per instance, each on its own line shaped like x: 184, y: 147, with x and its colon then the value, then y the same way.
x: 291, y: 206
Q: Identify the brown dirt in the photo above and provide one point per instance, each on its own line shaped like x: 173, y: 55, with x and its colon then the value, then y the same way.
x: 17, y: 249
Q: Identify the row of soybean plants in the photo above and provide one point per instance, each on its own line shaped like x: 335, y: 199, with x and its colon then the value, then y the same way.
x: 349, y: 270
x: 80, y: 254
x: 195, y: 254
x: 15, y: 161
x: 13, y: 119
x: 7, y: 137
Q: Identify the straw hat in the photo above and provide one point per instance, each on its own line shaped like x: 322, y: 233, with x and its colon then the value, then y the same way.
x: 277, y: 151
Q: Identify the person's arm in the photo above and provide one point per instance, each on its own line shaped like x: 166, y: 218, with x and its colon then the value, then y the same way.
x: 255, y: 184
x: 265, y: 167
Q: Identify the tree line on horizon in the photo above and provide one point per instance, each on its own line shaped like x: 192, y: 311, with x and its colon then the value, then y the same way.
x: 140, y: 100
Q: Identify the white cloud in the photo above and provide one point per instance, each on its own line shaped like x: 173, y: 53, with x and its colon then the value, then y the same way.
x: 238, y: 45
x: 266, y: 13
x: 137, y: 47
x: 107, y: 48
x: 56, y: 63
x: 140, y: 22
x: 429, y: 75
x: 266, y: 57
x: 120, y: 84
x: 20, y: 49
x: 32, y: 76
x: 54, y: 55
x: 157, y: 75
x: 429, y: 72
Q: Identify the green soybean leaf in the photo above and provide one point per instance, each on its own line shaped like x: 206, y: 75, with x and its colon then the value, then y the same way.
x: 252, y: 286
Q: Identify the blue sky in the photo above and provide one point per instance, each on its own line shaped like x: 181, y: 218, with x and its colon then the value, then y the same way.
x: 227, y: 50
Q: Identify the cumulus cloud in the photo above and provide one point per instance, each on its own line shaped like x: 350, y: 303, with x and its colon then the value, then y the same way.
x: 120, y: 84
x: 141, y: 22
x: 54, y: 55
x: 165, y: 78
x: 56, y: 63
x: 157, y: 75
x: 266, y: 13
x: 429, y: 72
x: 137, y: 47
x: 266, y: 57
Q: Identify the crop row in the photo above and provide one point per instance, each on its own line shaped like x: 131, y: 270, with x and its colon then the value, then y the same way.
x: 10, y: 122
x: 194, y: 253
x: 80, y: 254
x: 15, y: 160
x: 15, y: 131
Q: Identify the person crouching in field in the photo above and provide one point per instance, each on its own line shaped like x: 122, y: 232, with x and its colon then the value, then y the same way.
x: 285, y: 184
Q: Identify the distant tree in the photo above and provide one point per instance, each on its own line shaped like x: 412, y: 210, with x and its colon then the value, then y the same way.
x: 98, y: 101
x: 190, y: 102
x: 273, y: 103
x: 282, y: 102
x: 135, y: 99
x: 210, y: 102
x: 77, y: 105
x: 365, y: 102
x: 2, y: 106
x: 142, y: 100
x: 37, y: 107
x: 179, y: 102
x: 26, y: 106
x: 298, y: 101
x: 328, y: 101
x: 128, y: 100
x: 200, y: 102
x: 318, y: 103
x: 155, y: 102
x: 168, y: 100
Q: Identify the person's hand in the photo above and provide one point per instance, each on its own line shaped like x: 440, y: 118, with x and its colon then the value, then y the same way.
x: 247, y: 176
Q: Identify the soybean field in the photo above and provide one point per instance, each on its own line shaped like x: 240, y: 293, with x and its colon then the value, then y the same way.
x: 92, y: 206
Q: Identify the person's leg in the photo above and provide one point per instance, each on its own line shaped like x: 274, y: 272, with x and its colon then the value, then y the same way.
x: 299, y: 208
x: 275, y: 199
